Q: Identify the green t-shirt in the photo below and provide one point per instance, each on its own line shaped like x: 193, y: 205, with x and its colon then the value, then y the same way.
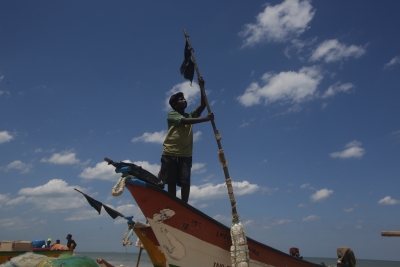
x: 179, y: 139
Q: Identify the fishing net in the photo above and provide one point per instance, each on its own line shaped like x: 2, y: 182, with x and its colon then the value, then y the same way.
x: 239, y: 249
x: 75, y: 261
x: 30, y: 259
x: 24, y: 260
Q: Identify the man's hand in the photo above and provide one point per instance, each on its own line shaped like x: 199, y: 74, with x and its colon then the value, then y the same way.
x: 210, y: 116
x: 201, y: 81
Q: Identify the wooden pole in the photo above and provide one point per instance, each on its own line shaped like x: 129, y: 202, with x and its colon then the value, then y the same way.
x: 138, y: 260
x: 390, y: 233
x: 217, y: 137
x: 140, y: 252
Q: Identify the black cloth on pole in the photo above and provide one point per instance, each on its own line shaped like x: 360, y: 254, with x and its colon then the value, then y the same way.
x: 113, y: 213
x: 93, y: 202
x: 187, y: 67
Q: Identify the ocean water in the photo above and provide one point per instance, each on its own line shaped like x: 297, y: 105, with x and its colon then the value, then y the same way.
x: 130, y: 260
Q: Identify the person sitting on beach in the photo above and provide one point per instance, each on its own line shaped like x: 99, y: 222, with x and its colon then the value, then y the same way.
x: 176, y: 159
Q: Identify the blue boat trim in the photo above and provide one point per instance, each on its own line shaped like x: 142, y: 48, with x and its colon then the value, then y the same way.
x: 124, y: 170
x: 135, y: 181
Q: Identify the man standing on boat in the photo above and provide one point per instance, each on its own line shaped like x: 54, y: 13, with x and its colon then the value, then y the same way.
x: 176, y: 160
x: 70, y: 243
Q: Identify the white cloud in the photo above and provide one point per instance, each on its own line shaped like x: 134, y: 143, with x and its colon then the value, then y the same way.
x: 298, y: 46
x: 5, y: 137
x: 268, y: 190
x: 246, y: 123
x: 81, y: 215
x: 153, y: 168
x: 55, y: 195
x: 337, y: 88
x: 278, y: 23
x: 304, y: 186
x: 159, y: 137
x: 191, y: 93
x: 388, y: 200
x: 394, y: 61
x: 196, y: 136
x: 307, y: 186
x: 14, y: 223
x: 54, y: 187
x: 19, y: 165
x: 353, y: 150
x: 156, y: 137
x: 268, y: 225
x: 4, y: 198
x: 321, y: 195
x: 332, y: 50
x: 103, y: 171
x: 281, y: 221
x: 201, y: 206
x: 16, y: 201
x: 348, y: 210
x: 310, y: 218
x: 294, y: 87
x: 198, y: 168
x: 247, y: 223
x: 210, y: 191
x: 7, y: 93
x: 62, y: 158
x: 126, y: 210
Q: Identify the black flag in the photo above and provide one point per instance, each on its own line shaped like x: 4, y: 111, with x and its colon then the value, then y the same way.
x: 187, y: 67
x: 93, y: 202
x: 113, y: 213
x: 97, y: 205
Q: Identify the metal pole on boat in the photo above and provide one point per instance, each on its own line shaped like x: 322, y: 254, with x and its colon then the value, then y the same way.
x: 239, y: 242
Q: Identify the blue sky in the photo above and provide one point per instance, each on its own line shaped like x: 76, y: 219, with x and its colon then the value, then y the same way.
x: 305, y: 95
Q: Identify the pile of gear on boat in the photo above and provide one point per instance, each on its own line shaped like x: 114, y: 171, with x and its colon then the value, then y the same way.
x: 345, y: 255
x: 42, y: 253
x: 20, y: 245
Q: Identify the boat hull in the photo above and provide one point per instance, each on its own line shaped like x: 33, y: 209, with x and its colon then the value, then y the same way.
x: 190, y: 238
x: 8, y: 255
x: 150, y: 243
